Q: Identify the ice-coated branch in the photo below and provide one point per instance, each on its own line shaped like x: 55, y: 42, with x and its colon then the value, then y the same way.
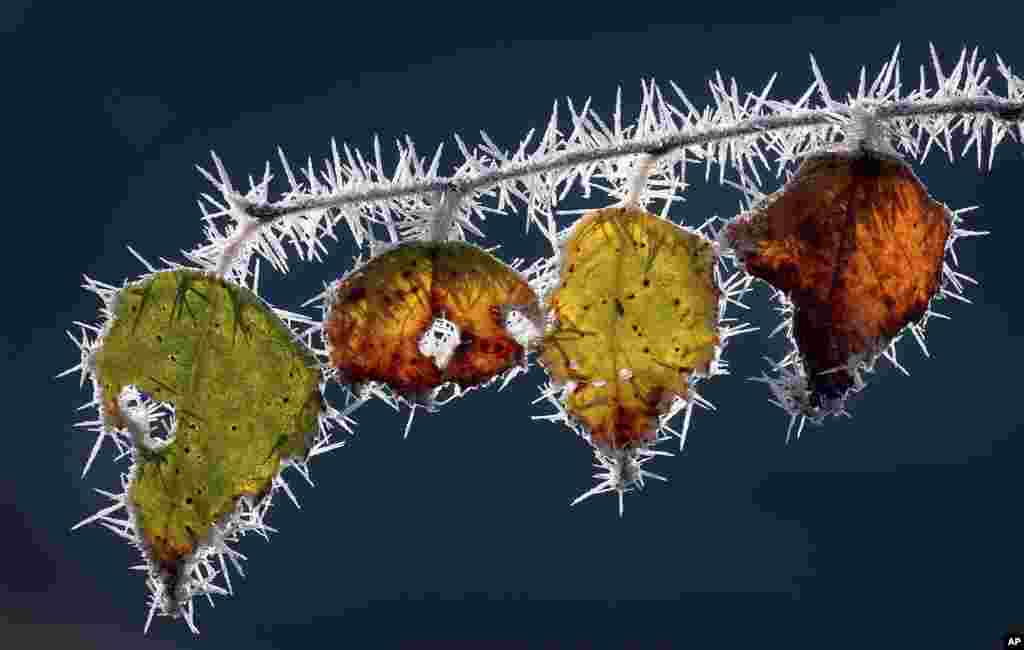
x: 737, y: 133
x: 658, y: 145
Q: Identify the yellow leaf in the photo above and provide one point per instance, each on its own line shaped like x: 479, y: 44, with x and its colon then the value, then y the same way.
x: 637, y: 310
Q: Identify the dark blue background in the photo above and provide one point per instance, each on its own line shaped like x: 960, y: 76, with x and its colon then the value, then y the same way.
x: 901, y: 525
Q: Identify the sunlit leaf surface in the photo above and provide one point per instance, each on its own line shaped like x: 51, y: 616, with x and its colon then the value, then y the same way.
x: 637, y: 310
x: 380, y: 312
x: 857, y: 243
x: 245, y: 396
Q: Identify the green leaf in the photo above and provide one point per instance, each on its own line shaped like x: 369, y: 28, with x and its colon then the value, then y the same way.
x: 246, y: 396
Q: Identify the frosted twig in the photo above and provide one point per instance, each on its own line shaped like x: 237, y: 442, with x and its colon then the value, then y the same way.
x: 1003, y: 109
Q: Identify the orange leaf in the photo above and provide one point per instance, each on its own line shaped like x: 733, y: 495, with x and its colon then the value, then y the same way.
x: 380, y: 312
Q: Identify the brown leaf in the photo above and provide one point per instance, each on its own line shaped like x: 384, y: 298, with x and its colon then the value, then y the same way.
x: 857, y: 243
